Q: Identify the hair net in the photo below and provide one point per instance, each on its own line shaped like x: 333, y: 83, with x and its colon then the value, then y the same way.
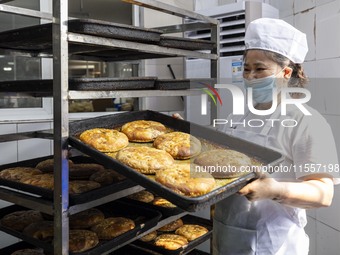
x: 277, y: 36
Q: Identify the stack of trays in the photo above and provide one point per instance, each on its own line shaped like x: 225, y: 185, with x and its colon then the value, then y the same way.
x: 38, y: 39
x: 144, y: 219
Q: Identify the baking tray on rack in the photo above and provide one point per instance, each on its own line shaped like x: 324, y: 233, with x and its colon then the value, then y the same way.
x: 39, y: 37
x: 45, y: 87
x: 134, y: 250
x: 177, y: 84
x: 264, y: 155
x: 18, y: 246
x: 73, y: 198
x: 188, y: 219
x: 185, y: 43
x: 144, y: 219
x: 166, y: 211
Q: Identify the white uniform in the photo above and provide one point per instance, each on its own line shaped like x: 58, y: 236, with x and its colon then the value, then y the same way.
x: 267, y: 227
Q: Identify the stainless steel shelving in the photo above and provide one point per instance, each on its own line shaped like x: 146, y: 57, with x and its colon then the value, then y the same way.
x: 60, y: 207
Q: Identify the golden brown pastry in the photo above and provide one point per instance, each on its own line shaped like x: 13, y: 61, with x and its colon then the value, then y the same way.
x: 113, y: 227
x: 143, y: 196
x: 47, y: 166
x: 42, y: 230
x: 82, y: 240
x: 28, y: 252
x: 191, y: 231
x: 144, y: 159
x: 181, y: 179
x: 86, y: 219
x: 45, y: 181
x: 223, y: 163
x: 17, y: 173
x: 104, y: 140
x: 172, y: 226
x: 149, y: 237
x: 83, y: 171
x: 143, y: 130
x: 159, y: 201
x: 178, y: 144
x: 77, y: 187
x: 106, y: 177
x: 171, y: 241
x: 20, y: 219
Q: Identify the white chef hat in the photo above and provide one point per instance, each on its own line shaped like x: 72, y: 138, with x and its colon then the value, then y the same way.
x: 278, y: 36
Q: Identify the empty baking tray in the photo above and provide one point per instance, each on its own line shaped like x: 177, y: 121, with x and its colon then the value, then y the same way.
x: 45, y: 87
x: 144, y: 219
x: 265, y: 155
x: 188, y: 219
x: 73, y: 198
x: 177, y: 84
x: 39, y: 37
x: 186, y: 43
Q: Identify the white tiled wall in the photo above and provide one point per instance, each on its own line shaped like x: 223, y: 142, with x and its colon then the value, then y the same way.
x: 319, y: 19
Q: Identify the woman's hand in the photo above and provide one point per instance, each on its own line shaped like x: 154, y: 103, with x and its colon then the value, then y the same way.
x: 312, y: 192
x: 262, y: 188
x: 177, y: 116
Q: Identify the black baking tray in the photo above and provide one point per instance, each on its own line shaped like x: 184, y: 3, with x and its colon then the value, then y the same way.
x: 39, y: 37
x: 177, y: 84
x: 132, y: 250
x: 144, y: 218
x: 265, y: 155
x: 136, y: 250
x: 45, y: 87
x: 73, y: 198
x: 186, y: 43
x: 17, y: 246
x: 188, y: 219
x: 117, y: 54
x: 166, y: 211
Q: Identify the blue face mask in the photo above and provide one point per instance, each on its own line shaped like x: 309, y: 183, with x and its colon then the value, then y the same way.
x: 262, y: 88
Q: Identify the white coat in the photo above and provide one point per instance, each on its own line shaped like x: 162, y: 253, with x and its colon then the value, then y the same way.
x: 267, y: 227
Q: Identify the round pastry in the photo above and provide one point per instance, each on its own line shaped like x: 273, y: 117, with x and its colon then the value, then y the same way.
x: 191, y: 231
x: 17, y: 173
x: 172, y: 226
x: 178, y: 144
x: 143, y: 130
x: 181, y: 179
x: 112, y: 227
x: 106, y: 177
x: 21, y: 219
x: 149, y: 237
x: 47, y: 166
x: 159, y: 201
x: 223, y: 163
x: 145, y: 159
x: 171, y: 241
x: 142, y: 196
x: 86, y: 219
x: 104, y: 140
x: 77, y: 187
x: 45, y: 181
x: 84, y: 171
x: 42, y: 230
x: 81, y: 240
x: 29, y: 252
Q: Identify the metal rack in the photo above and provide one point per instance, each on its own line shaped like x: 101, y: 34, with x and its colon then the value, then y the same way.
x: 60, y: 207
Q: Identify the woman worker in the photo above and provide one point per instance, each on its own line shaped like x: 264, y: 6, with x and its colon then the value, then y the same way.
x: 268, y: 215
